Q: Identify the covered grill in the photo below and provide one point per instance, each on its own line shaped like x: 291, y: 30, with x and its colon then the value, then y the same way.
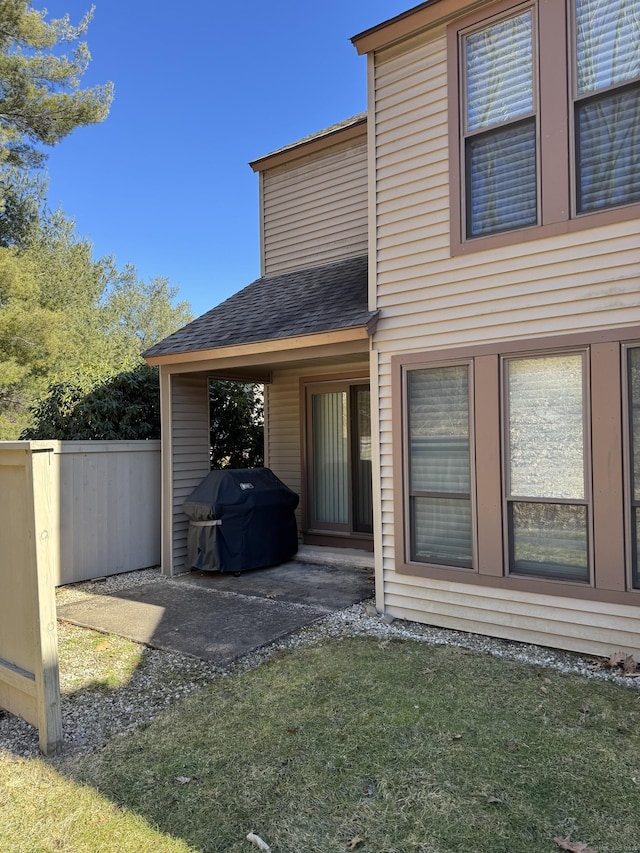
x: 241, y: 519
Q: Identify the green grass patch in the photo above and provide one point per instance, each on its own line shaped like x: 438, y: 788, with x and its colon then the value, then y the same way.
x: 93, y: 661
x: 407, y: 746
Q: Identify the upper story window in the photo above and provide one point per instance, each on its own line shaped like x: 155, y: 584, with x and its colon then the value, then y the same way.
x: 607, y: 103
x: 500, y: 126
x: 546, y: 128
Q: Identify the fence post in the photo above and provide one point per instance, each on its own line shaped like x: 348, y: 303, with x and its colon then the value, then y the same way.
x: 29, y: 676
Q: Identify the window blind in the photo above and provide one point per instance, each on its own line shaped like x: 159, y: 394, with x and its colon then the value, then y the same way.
x: 501, y: 180
x: 607, y: 43
x: 439, y: 465
x: 500, y: 146
x: 608, y: 150
x: 499, y: 72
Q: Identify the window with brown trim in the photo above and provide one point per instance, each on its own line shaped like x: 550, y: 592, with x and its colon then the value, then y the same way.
x: 633, y: 374
x: 546, y: 490
x: 439, y: 465
x: 545, y: 119
x: 509, y: 465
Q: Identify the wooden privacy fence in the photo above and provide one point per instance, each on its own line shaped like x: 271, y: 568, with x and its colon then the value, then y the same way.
x: 69, y: 511
x: 29, y: 680
x: 105, y: 505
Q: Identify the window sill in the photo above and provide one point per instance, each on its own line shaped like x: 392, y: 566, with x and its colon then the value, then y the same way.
x: 513, y: 583
x: 584, y: 221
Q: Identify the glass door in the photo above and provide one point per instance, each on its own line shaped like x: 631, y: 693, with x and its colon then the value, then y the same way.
x: 339, y: 494
x: 330, y: 459
x: 361, y: 459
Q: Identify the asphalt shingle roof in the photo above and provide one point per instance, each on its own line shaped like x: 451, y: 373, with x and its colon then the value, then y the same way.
x: 318, y: 299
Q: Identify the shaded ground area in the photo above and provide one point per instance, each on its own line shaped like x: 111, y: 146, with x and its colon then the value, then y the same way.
x: 220, y: 617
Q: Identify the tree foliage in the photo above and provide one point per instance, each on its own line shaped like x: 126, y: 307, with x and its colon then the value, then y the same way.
x: 40, y: 96
x: 127, y: 407
x: 67, y: 318
x: 122, y: 407
x: 236, y: 420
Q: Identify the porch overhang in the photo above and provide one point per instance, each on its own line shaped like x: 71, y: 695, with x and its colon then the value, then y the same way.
x: 255, y: 361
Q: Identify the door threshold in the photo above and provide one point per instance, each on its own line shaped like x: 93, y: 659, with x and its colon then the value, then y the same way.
x: 322, y: 555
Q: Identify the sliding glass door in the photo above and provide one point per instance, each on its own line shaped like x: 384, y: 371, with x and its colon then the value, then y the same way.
x: 339, y: 495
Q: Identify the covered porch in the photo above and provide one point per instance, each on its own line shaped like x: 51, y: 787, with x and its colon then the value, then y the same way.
x: 306, y: 338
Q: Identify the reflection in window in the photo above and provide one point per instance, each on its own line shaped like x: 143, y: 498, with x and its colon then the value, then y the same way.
x: 547, y: 509
x: 608, y: 103
x: 500, y: 127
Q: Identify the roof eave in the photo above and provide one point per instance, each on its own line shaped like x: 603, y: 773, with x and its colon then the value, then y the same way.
x: 419, y: 19
x: 314, y: 145
x: 315, y: 339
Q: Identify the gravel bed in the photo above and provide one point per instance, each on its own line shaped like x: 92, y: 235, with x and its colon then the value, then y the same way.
x: 93, y: 712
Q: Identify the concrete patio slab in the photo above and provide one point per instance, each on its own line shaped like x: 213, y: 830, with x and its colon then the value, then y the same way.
x: 220, y: 617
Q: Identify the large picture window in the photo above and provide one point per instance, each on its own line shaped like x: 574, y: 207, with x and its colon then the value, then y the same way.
x: 547, y: 503
x: 439, y: 465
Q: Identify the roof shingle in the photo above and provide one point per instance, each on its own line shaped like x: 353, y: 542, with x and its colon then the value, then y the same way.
x: 302, y: 302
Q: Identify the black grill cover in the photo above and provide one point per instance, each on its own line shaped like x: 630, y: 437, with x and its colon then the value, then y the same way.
x: 241, y: 519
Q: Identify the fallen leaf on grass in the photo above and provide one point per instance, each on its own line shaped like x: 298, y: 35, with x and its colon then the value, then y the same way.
x: 103, y: 646
x: 351, y: 845
x: 572, y: 846
x: 292, y: 731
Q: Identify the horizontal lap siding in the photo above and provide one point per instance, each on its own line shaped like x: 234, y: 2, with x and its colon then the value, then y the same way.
x: 190, y: 452
x: 587, y: 627
x: 429, y: 301
x: 316, y: 212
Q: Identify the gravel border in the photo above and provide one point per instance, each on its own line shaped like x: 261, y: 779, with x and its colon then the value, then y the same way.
x: 91, y: 717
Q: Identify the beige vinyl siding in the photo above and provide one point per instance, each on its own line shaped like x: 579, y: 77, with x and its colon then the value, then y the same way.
x: 315, y: 211
x: 284, y: 435
x: 428, y: 301
x: 589, y: 627
x: 190, y: 453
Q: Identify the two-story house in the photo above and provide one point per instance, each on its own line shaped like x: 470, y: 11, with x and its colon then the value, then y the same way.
x: 448, y: 325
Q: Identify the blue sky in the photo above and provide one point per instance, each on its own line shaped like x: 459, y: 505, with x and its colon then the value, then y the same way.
x: 201, y: 89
